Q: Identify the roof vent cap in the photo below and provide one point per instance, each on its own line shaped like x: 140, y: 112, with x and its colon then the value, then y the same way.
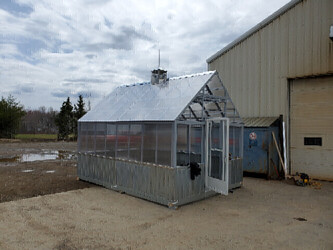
x: 159, y: 76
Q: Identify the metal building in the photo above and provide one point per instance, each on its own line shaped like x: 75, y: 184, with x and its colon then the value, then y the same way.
x: 284, y: 65
x: 170, y: 141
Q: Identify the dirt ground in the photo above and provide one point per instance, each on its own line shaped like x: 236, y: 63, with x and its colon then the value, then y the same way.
x: 260, y: 215
x: 24, y: 179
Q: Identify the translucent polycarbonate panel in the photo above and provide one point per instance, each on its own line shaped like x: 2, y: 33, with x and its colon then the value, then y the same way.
x: 232, y: 143
x: 149, y: 143
x: 182, y: 145
x: 239, y: 142
x: 100, y: 138
x: 135, y: 142
x: 83, y: 137
x: 235, y: 142
x: 182, y: 137
x: 146, y: 102
x: 196, y: 143
x: 111, y: 137
x: 164, y: 135
x: 90, y: 147
x: 216, y: 135
x: 122, y: 141
x: 217, y: 149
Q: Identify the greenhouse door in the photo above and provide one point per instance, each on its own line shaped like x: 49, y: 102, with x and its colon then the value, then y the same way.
x: 217, y: 150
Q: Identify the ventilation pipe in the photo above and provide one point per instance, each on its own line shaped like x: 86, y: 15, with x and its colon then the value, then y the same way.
x: 159, y: 76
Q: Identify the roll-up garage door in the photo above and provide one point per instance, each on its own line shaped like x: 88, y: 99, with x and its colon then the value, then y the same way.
x: 311, y: 127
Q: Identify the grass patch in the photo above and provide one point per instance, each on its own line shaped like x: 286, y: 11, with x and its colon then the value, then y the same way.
x: 36, y: 136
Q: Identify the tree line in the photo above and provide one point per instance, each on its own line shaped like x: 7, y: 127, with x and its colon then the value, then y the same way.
x: 40, y: 121
x: 14, y: 119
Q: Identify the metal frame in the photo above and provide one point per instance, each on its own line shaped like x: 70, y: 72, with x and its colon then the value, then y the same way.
x: 220, y: 186
x: 208, y: 97
x: 190, y: 123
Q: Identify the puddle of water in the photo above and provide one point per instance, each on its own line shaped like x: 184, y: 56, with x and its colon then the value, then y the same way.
x: 37, y: 157
x: 27, y: 171
x: 44, y: 156
x: 50, y: 171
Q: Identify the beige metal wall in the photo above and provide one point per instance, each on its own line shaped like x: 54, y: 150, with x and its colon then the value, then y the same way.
x: 311, y: 116
x: 296, y: 44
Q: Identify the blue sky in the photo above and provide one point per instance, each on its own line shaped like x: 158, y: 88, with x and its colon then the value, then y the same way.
x: 53, y: 49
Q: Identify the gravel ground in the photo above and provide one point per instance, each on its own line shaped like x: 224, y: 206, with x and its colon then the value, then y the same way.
x: 23, y: 174
x: 260, y: 215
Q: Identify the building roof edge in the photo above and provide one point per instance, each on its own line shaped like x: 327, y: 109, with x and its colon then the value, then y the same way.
x: 256, y: 28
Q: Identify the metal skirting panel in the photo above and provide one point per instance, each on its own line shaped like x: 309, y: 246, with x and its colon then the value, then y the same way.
x: 164, y: 185
x: 101, y: 170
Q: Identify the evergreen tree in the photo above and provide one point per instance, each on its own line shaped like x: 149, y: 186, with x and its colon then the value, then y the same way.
x: 65, y: 120
x: 11, y: 113
x: 79, y: 111
x: 79, y: 108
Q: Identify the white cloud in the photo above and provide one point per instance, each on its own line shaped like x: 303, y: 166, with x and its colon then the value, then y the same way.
x: 51, y: 49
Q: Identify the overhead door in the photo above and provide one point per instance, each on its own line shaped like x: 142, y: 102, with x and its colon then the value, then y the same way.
x: 311, y: 127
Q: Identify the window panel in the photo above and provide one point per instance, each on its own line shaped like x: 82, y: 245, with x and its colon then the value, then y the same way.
x: 135, y: 142
x: 100, y: 138
x: 149, y: 143
x: 83, y: 137
x: 196, y: 134
x: 232, y: 143
x: 122, y: 141
x: 164, y: 132
x: 90, y: 138
x: 182, y: 145
x: 111, y: 140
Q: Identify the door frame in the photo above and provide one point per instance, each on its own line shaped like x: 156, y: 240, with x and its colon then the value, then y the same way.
x: 217, y: 185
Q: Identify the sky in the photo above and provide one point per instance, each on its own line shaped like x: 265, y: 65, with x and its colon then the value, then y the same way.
x: 51, y: 50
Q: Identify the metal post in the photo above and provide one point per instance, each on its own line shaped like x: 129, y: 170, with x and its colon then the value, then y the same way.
x: 128, y: 140
x: 203, y: 156
x: 207, y: 167
x: 116, y: 145
x: 227, y: 154
x: 188, y: 127
x: 78, y: 137
x: 105, y: 133
x: 94, y: 137
x: 174, y: 145
x: 156, y: 141
x: 142, y: 134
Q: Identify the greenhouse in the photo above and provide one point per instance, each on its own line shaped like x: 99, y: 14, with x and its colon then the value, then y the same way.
x: 171, y: 140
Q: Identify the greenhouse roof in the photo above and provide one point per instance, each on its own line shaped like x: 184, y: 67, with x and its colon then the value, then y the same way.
x: 147, y: 102
x: 188, y: 97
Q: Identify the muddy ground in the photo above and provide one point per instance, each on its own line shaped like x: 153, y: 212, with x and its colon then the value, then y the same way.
x: 29, y: 169
x: 260, y: 215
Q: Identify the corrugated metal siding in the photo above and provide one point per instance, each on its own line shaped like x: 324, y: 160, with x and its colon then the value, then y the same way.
x: 161, y: 184
x: 296, y: 44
